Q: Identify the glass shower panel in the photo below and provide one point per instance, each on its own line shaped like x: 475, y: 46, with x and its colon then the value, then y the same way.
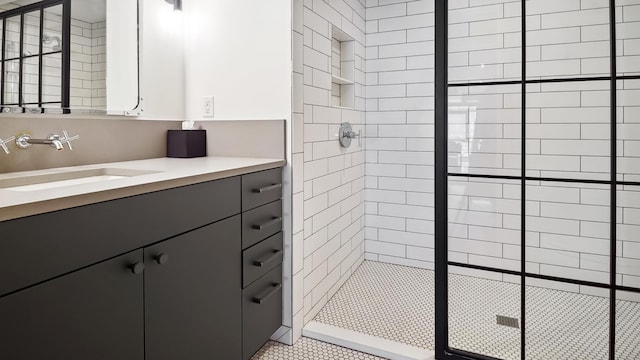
x: 51, y: 83
x: 628, y: 37
x: 11, y: 83
x: 485, y: 130
x: 30, y: 70
x: 31, y: 37
x: 628, y: 236
x: 1, y: 41
x: 484, y: 41
x: 568, y: 130
x: 568, y: 230
x: 52, y: 33
x: 484, y: 313
x: 628, y: 134
x: 566, y: 39
x: 627, y: 324
x: 484, y: 222
x: 12, y: 39
x: 566, y: 321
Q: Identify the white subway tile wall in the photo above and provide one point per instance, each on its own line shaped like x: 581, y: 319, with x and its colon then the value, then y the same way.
x: 485, y: 128
x: 628, y: 233
x: 568, y: 136
x: 485, y: 39
x: 628, y: 36
x: 399, y: 132
x: 328, y: 181
x: 568, y: 38
x: 88, y: 60
x: 629, y: 129
x: 484, y: 223
x: 568, y: 130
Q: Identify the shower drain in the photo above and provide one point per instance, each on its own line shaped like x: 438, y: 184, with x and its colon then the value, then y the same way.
x: 507, y: 321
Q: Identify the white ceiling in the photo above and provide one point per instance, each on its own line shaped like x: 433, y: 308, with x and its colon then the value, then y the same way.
x: 86, y: 10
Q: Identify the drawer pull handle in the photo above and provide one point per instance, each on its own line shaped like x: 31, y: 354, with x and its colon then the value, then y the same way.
x: 137, y: 268
x: 268, y: 188
x: 271, y: 222
x: 267, y: 258
x: 267, y: 294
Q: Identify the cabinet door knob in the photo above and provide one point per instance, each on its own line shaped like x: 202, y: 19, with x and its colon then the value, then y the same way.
x: 137, y: 268
x: 162, y: 258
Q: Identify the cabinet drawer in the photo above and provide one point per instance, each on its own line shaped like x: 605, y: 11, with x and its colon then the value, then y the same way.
x: 260, y: 223
x: 40, y: 247
x: 260, y: 258
x: 261, y: 187
x: 261, y: 311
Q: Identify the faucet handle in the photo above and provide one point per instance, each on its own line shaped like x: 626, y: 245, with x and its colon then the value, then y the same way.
x: 66, y: 139
x: 3, y: 144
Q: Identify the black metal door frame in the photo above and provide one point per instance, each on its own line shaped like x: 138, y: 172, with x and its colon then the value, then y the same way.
x: 442, y: 174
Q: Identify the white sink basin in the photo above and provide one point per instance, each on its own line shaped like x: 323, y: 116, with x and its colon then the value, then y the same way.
x: 67, y: 178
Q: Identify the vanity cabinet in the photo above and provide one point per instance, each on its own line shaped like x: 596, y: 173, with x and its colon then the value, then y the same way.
x: 192, y: 308
x: 94, y: 313
x: 156, y: 276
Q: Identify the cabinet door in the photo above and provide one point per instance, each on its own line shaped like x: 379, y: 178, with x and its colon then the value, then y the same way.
x: 193, y: 294
x: 94, y: 313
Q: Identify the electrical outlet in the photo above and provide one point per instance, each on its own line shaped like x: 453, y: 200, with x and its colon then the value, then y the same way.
x: 207, y: 107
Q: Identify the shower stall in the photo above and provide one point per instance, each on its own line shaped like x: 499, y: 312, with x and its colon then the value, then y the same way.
x: 499, y: 177
x: 537, y: 251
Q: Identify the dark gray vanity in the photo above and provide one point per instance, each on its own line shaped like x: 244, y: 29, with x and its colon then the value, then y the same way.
x: 191, y: 272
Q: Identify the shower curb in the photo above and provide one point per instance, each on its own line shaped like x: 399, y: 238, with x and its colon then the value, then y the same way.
x: 365, y: 343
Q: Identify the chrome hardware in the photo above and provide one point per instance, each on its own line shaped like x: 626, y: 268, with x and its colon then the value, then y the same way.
x: 66, y: 139
x: 346, y: 134
x: 3, y: 144
x: 25, y: 141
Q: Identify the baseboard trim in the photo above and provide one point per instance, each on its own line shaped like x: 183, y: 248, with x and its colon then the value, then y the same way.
x: 365, y: 343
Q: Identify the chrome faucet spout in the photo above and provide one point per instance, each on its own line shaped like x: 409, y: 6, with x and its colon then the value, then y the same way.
x: 53, y: 142
x: 25, y: 140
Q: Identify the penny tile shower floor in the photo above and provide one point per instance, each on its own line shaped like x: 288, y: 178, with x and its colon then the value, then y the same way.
x: 396, y: 303
x: 308, y: 349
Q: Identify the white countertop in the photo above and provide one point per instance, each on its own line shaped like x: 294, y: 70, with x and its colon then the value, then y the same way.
x: 167, y: 173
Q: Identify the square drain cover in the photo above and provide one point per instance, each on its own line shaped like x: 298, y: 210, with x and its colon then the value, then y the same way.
x: 507, y: 321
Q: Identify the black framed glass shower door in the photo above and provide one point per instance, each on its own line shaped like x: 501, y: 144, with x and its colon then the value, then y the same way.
x: 537, y: 186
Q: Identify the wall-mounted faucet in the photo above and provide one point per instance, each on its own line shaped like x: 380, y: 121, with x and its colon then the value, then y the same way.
x: 55, y: 140
x: 4, y: 142
x: 346, y: 134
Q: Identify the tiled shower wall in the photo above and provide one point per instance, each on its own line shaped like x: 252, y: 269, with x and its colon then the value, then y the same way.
x: 88, y: 64
x: 328, y: 181
x: 567, y: 126
x: 88, y: 61
x: 399, y: 130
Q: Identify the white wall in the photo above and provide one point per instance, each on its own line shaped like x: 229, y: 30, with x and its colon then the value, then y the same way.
x: 161, y: 61
x: 238, y: 51
x: 122, y: 42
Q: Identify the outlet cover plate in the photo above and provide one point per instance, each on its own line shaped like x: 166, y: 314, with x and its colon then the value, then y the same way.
x: 207, y: 107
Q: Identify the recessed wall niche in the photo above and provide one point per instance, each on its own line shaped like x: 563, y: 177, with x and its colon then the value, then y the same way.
x: 342, y: 69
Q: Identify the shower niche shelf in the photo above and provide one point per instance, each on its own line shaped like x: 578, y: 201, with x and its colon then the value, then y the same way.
x: 342, y: 69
